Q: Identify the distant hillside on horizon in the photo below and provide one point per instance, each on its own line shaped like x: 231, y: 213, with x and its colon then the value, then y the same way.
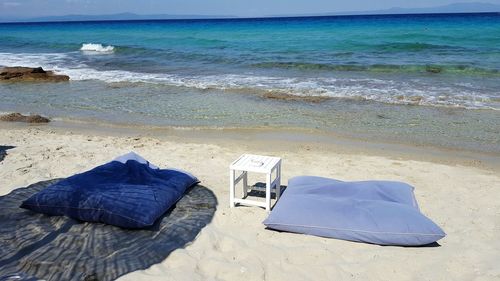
x: 472, y: 7
x: 115, y: 17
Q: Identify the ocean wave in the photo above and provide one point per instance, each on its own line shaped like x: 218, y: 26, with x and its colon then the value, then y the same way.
x: 307, y: 89
x: 412, y: 47
x: 389, y: 91
x: 383, y: 68
x: 97, y: 48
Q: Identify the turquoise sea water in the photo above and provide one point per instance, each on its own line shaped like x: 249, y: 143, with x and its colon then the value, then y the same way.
x: 426, y: 79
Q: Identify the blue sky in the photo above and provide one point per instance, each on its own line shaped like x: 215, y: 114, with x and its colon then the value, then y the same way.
x: 34, y: 8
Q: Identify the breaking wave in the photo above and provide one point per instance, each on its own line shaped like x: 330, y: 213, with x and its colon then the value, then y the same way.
x: 98, y: 48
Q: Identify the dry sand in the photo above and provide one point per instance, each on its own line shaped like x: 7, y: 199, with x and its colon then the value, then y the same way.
x: 463, y: 199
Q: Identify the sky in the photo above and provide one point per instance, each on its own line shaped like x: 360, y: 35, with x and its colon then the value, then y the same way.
x: 243, y: 8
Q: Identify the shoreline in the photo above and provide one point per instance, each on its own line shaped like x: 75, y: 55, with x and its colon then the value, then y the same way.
x: 273, y: 139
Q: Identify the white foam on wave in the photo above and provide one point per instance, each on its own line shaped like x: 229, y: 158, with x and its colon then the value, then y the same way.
x: 380, y: 90
x: 97, y: 48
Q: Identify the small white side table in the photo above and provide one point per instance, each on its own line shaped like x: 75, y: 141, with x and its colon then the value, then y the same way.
x: 257, y: 164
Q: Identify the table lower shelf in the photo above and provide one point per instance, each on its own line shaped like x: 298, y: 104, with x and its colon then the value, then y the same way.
x: 249, y: 202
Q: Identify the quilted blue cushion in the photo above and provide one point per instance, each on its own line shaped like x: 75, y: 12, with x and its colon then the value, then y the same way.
x: 378, y: 212
x: 128, y: 195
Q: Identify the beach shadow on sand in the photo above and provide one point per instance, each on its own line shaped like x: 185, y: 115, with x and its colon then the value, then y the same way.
x: 59, y: 248
x: 259, y: 190
x: 3, y: 151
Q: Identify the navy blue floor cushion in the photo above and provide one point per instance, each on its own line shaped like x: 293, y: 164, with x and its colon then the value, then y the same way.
x: 128, y: 192
x: 377, y: 212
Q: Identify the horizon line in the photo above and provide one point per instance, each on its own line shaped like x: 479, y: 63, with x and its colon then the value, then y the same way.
x: 220, y: 17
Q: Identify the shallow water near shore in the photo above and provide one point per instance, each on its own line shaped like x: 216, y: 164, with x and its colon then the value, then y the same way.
x: 146, y: 105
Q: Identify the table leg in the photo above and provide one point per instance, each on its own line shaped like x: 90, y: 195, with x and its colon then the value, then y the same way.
x: 278, y: 182
x: 245, y: 184
x: 231, y: 188
x: 268, y: 192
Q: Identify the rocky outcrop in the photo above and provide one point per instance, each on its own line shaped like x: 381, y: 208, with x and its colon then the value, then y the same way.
x: 18, y: 117
x: 28, y: 74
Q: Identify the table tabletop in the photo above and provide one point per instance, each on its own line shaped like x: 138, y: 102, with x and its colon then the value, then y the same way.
x: 255, y: 163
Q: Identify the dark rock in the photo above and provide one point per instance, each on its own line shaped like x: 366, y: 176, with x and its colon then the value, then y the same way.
x: 38, y: 70
x: 18, y: 117
x: 433, y: 69
x: 28, y: 74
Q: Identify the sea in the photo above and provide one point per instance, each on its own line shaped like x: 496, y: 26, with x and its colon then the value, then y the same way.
x: 427, y: 80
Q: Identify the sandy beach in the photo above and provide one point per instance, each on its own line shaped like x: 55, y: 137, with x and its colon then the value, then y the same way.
x: 461, y: 196
x: 385, y: 93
